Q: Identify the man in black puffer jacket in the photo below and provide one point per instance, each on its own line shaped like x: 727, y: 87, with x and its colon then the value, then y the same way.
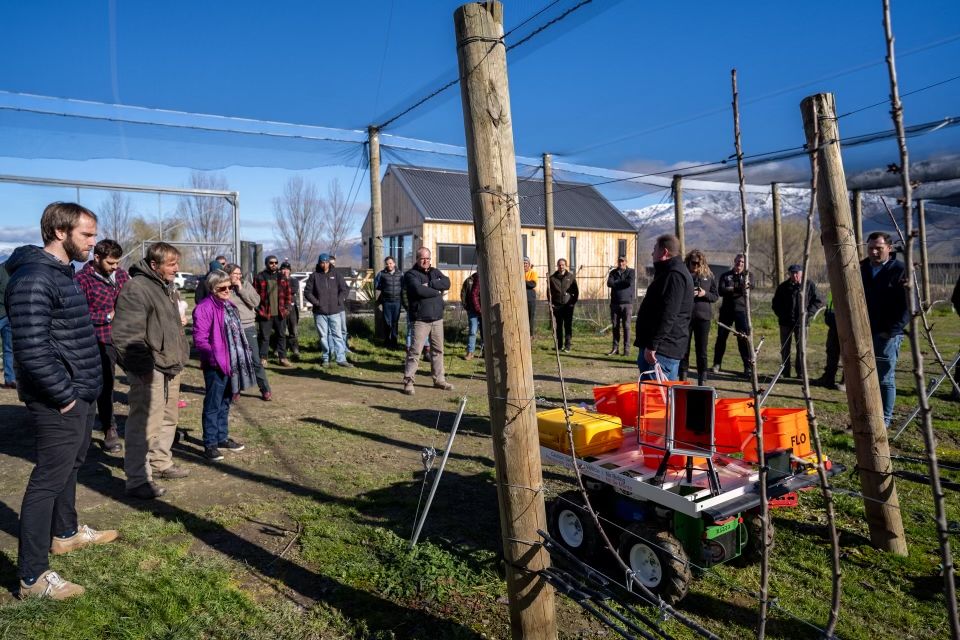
x: 663, y: 321
x: 59, y: 377
x: 424, y: 286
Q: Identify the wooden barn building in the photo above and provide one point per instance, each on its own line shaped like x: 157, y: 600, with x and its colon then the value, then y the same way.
x: 431, y: 208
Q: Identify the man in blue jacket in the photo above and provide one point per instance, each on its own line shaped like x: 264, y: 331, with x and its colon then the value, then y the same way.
x: 59, y: 378
x: 883, y: 280
x: 425, y: 286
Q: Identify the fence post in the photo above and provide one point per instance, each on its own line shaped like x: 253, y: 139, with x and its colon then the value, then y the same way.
x: 548, y: 212
x: 777, y: 234
x: 677, y: 189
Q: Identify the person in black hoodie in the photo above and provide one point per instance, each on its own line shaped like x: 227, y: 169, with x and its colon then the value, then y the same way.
x: 389, y: 282
x: 663, y: 321
x: 424, y: 286
x: 622, y: 284
x: 59, y: 378
x: 786, y: 306
x: 564, y: 293
x: 883, y: 280
x: 732, y: 286
x: 704, y: 295
x: 326, y: 290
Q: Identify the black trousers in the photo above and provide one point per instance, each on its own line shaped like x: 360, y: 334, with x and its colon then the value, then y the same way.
x: 108, y: 364
x: 833, y: 354
x: 699, y: 335
x: 564, y: 318
x: 620, y: 319
x: 532, y: 314
x: 738, y: 320
x: 275, y: 325
x: 787, y: 336
x: 292, y: 327
x: 49, y: 503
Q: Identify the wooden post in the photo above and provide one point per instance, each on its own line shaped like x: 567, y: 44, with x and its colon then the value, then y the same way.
x: 496, y: 217
x: 677, y: 188
x: 925, y: 299
x: 548, y: 212
x: 880, y: 503
x: 857, y: 204
x: 376, y: 224
x: 777, y: 234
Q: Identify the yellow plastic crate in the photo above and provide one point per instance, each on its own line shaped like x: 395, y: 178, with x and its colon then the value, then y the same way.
x: 593, y: 433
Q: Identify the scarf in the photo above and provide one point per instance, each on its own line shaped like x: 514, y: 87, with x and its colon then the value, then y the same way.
x: 242, y: 373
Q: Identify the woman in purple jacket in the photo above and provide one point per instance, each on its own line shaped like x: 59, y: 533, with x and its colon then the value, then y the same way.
x: 225, y: 360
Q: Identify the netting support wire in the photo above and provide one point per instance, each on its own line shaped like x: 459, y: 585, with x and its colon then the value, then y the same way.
x: 436, y: 478
x: 929, y: 437
x: 933, y: 388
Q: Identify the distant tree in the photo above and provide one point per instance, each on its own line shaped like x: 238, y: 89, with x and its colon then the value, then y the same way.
x: 299, y: 215
x: 793, y: 230
x: 207, y: 218
x: 339, y: 217
x: 145, y: 231
x: 116, y: 219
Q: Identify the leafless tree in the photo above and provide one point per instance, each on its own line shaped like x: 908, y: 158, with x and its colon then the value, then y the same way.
x: 206, y: 218
x: 116, y: 219
x: 793, y: 231
x: 298, y: 214
x: 339, y: 217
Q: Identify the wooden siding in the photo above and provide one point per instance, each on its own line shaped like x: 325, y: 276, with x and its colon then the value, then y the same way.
x: 400, y: 217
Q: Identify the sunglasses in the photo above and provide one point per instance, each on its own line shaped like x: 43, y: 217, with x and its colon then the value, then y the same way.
x: 223, y: 288
x: 273, y: 262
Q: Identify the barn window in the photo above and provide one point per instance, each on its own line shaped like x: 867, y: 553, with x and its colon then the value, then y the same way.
x: 621, y: 247
x: 523, y: 238
x: 457, y: 256
x: 572, y: 262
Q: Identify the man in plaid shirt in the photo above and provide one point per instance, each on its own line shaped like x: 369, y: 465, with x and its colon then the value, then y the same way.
x: 275, y: 299
x: 101, y: 280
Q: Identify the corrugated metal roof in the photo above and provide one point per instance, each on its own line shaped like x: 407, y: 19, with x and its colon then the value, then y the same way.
x: 444, y: 195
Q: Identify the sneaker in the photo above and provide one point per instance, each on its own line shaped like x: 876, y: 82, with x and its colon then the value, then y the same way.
x: 295, y: 356
x: 267, y: 396
x: 212, y: 454
x: 9, y: 385
x: 283, y: 362
x: 715, y: 368
x: 408, y: 387
x: 469, y: 356
x: 146, y: 491
x: 173, y: 472
x: 263, y: 362
x: 345, y: 364
x: 446, y: 386
x: 84, y: 537
x: 324, y: 364
x: 50, y: 585
x: 231, y: 445
x: 111, y: 440
x: 613, y: 351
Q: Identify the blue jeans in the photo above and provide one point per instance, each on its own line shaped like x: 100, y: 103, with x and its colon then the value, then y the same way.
x: 391, y: 317
x: 886, y: 351
x: 473, y: 324
x: 7, y: 334
x: 330, y: 340
x: 670, y: 366
x: 216, y: 406
x: 343, y: 329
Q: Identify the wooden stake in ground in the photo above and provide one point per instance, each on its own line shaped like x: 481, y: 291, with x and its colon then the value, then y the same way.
x: 880, y: 503
x: 548, y: 213
x: 376, y: 220
x: 925, y: 299
x: 929, y: 437
x: 777, y: 234
x: 856, y: 201
x: 677, y: 188
x: 506, y: 330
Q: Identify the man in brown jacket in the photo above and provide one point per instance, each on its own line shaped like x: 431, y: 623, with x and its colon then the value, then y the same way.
x: 152, y: 348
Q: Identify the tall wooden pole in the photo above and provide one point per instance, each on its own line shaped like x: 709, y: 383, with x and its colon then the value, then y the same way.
x: 925, y: 300
x: 881, y: 504
x: 496, y: 217
x: 548, y: 212
x: 857, y: 204
x: 777, y: 234
x: 376, y: 204
x: 677, y: 188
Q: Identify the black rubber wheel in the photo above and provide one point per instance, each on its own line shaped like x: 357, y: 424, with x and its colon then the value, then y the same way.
x: 571, y: 525
x: 658, y: 560
x: 753, y: 550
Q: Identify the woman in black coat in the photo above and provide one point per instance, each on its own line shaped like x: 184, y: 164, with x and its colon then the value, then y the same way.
x: 704, y: 295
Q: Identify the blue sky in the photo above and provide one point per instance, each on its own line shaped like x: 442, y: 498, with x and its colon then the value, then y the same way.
x: 653, y: 76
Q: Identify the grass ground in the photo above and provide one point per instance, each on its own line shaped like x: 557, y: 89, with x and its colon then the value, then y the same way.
x: 303, y: 535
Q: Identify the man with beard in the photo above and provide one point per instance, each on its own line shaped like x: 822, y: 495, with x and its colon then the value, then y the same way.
x: 148, y: 334
x: 275, y: 298
x: 59, y: 378
x: 101, y: 280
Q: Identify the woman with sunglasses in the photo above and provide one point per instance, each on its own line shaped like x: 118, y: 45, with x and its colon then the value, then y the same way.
x: 225, y: 360
x: 704, y: 295
x: 246, y: 299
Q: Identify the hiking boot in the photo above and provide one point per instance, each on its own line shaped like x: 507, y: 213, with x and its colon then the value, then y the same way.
x: 446, y: 386
x: 173, y: 472
x: 267, y: 396
x: 84, y: 537
x: 345, y: 364
x: 50, y: 585
x: 469, y: 356
x: 146, y: 491
x: 231, y: 445
x: 408, y: 387
x: 283, y: 362
x: 111, y: 440
x: 212, y: 454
